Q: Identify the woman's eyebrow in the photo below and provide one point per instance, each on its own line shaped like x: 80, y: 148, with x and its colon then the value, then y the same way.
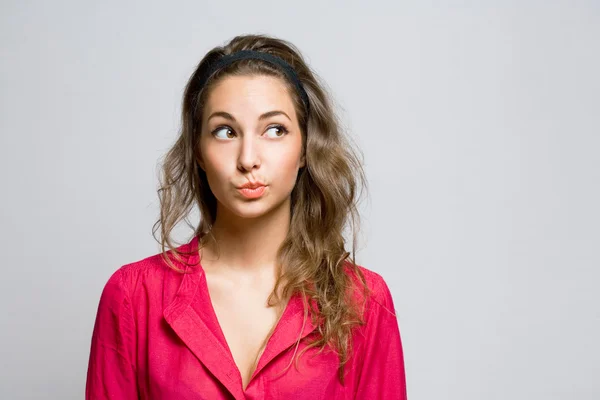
x: 230, y: 117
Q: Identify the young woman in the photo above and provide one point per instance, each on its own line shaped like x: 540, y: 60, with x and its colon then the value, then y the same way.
x: 264, y: 302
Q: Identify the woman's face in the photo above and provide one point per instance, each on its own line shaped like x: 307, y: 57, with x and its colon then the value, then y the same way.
x: 250, y: 133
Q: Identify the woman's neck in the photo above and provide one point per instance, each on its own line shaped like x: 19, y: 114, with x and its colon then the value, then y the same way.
x: 247, y: 245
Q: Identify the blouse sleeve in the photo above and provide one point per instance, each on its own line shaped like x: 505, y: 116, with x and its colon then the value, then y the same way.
x: 111, y: 368
x: 381, y: 374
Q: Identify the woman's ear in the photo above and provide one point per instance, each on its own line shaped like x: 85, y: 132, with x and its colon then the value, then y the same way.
x: 200, y: 162
x: 303, y: 158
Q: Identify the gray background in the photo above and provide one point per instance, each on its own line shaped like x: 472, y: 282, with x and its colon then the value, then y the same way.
x: 479, y: 123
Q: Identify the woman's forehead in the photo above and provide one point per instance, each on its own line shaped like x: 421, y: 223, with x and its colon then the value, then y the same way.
x: 249, y: 94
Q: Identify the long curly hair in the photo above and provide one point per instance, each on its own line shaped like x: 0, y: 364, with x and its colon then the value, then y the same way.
x: 312, y: 260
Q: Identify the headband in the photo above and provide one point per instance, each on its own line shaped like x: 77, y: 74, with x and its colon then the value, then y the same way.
x: 257, y: 55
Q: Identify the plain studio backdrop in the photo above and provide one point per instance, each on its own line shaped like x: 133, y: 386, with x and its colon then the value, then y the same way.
x: 479, y: 123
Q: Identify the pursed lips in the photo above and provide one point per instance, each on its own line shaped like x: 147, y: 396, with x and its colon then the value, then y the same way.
x: 251, y: 185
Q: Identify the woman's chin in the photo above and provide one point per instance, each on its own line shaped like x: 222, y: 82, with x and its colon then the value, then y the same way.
x: 256, y: 209
x: 251, y: 210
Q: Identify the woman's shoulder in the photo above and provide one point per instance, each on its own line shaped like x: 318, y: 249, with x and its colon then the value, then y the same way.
x: 140, y: 271
x: 379, y: 295
x: 149, y: 275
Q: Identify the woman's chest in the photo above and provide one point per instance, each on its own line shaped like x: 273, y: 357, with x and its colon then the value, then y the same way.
x: 246, y: 323
x: 174, y: 371
x: 183, y: 352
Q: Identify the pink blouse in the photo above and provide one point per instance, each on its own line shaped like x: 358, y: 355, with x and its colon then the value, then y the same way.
x: 156, y: 336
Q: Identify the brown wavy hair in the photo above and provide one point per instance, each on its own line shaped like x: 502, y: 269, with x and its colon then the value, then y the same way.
x: 312, y: 260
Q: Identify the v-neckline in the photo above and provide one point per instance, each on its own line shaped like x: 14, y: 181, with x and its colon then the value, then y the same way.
x: 192, y: 316
x: 221, y: 334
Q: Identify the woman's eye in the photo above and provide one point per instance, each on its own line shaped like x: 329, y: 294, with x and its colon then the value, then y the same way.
x: 279, y: 130
x: 228, y: 133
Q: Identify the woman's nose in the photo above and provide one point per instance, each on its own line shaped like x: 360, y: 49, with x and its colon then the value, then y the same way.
x: 249, y: 156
